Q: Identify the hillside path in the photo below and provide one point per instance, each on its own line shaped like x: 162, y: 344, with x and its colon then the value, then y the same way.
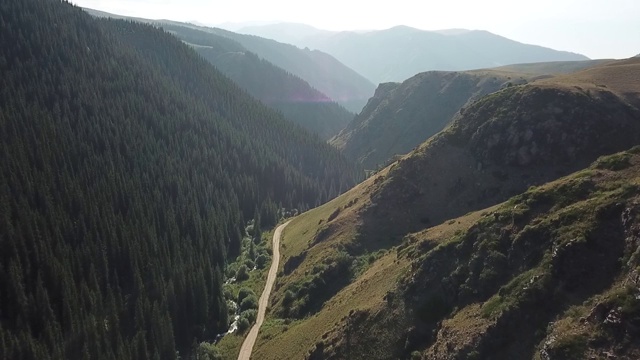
x: 250, y: 340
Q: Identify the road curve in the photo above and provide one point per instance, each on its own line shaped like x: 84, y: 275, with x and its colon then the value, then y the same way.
x: 250, y: 340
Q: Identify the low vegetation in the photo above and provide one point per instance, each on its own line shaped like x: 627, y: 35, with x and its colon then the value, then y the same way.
x: 550, y: 274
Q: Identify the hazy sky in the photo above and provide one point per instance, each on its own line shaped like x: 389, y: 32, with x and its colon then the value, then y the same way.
x: 595, y: 28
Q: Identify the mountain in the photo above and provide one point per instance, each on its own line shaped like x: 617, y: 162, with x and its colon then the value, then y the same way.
x: 424, y: 260
x: 398, y: 53
x: 294, y: 97
x: 129, y: 167
x: 288, y: 33
x: 550, y: 274
x: 400, y: 117
x: 322, y: 71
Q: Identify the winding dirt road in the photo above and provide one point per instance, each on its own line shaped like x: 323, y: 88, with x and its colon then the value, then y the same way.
x: 250, y: 340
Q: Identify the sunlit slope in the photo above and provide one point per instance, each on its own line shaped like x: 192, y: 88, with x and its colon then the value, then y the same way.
x: 499, y: 147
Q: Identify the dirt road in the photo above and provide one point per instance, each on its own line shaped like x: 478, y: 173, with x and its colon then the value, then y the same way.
x: 247, y: 345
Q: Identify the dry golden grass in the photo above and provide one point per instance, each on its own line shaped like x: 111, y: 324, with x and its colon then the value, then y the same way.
x: 282, y: 340
x: 293, y: 341
x: 300, y: 233
x: 621, y: 77
x: 279, y: 340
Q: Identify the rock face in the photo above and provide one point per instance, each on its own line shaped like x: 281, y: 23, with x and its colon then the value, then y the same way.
x: 399, y: 117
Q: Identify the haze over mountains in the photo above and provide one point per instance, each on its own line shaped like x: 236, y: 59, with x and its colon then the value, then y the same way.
x: 400, y: 52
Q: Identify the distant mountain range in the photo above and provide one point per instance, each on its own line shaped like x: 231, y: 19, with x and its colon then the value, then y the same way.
x: 400, y: 52
x: 290, y: 33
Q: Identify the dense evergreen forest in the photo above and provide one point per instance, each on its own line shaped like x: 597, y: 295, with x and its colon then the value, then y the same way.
x: 128, y: 168
x: 294, y: 97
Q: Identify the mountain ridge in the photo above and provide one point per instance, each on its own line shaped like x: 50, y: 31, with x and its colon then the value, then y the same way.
x: 399, y: 117
x: 321, y: 70
x: 444, y: 50
x: 294, y: 97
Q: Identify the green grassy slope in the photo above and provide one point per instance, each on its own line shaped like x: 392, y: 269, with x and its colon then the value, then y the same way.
x: 497, y: 148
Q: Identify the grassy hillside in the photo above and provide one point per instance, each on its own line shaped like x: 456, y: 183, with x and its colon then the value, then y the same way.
x: 552, y: 67
x: 507, y: 142
x: 550, y: 274
x: 400, y: 117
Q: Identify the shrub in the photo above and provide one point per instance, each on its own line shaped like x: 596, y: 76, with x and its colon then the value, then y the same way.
x: 250, y: 315
x: 242, y: 273
x: 613, y: 162
x: 289, y: 296
x: 243, y: 293
x: 249, y: 264
x: 208, y: 351
x: 249, y: 302
x: 261, y: 261
x: 243, y: 324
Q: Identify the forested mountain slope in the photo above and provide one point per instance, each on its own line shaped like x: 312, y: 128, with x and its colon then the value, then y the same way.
x: 128, y: 168
x: 322, y: 71
x: 294, y: 97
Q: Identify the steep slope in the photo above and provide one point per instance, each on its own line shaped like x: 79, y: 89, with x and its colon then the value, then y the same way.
x: 400, y: 117
x: 128, y: 167
x: 550, y: 274
x: 294, y: 97
x: 321, y: 70
x: 509, y: 140
x: 498, y: 147
x: 285, y: 92
x: 396, y: 54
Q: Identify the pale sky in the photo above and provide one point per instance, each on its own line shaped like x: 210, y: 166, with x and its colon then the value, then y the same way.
x: 595, y: 28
